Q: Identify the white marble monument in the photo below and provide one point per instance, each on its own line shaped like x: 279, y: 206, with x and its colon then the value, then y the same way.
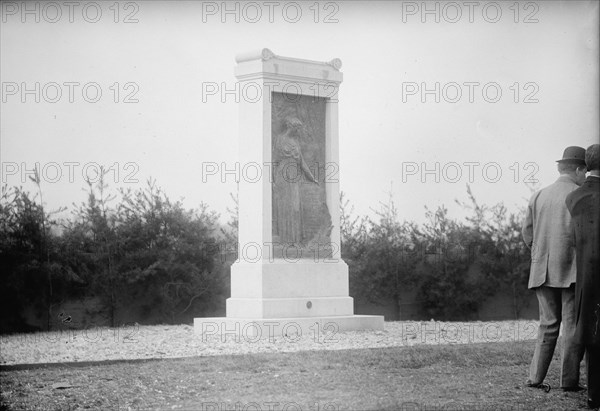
x: 289, y: 277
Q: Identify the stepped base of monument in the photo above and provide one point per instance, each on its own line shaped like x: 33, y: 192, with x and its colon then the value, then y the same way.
x: 253, y: 329
x: 289, y: 307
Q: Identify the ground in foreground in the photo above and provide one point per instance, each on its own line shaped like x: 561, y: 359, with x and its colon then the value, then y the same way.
x: 450, y: 377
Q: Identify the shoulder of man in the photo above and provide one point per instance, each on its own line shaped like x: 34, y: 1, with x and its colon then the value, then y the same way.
x: 547, y: 190
x: 575, y: 196
x: 571, y: 199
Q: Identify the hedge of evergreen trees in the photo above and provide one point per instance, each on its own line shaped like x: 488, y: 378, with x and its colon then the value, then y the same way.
x: 138, y: 246
x: 454, y: 266
x: 145, y: 250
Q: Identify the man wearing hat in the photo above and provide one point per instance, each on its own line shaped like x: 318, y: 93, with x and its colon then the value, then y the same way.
x: 584, y: 206
x: 547, y: 232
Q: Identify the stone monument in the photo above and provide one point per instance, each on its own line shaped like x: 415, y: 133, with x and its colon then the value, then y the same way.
x: 289, y: 276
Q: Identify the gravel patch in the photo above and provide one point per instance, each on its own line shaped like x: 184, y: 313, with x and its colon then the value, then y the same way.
x: 175, y: 341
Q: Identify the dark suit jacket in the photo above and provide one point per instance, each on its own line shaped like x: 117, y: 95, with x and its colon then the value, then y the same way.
x: 584, y: 206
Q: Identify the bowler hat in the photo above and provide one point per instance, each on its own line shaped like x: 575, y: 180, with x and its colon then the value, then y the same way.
x: 573, y: 155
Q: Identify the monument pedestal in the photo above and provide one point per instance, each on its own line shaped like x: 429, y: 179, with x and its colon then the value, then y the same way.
x: 289, y: 277
x: 282, y: 298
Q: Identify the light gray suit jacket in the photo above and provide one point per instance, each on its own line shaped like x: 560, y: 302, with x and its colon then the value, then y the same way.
x: 547, y: 232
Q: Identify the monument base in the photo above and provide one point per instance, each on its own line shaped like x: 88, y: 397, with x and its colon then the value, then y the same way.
x: 253, y: 329
x: 277, y: 299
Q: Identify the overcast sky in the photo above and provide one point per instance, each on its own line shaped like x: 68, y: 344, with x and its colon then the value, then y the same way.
x: 515, y: 85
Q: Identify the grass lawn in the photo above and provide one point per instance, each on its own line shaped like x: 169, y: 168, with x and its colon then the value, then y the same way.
x: 450, y: 377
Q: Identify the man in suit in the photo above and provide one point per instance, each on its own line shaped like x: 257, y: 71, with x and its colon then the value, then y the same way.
x: 547, y: 232
x: 584, y: 206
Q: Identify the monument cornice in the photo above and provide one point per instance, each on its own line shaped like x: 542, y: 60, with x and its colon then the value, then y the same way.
x: 267, y: 75
x: 266, y: 54
x: 264, y: 64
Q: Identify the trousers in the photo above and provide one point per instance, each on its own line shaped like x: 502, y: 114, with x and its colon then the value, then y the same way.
x: 556, y: 305
x: 593, y: 372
